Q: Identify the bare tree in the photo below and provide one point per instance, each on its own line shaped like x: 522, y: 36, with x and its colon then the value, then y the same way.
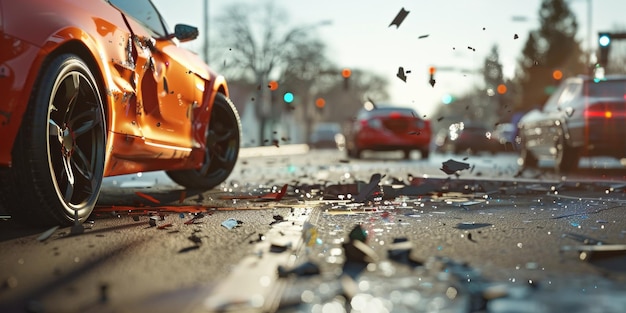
x: 262, y: 46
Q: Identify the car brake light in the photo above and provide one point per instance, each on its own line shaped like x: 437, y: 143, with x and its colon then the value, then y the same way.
x: 598, y: 114
x: 395, y: 115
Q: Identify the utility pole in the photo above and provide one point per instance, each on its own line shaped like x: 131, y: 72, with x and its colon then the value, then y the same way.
x: 205, y: 10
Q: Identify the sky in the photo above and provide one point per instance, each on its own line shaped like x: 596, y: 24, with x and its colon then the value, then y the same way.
x: 456, y: 36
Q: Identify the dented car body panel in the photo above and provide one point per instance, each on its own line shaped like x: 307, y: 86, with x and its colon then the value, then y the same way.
x: 157, y: 95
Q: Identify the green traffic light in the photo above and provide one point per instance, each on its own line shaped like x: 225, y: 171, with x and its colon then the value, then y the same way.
x: 604, y: 40
x: 288, y: 97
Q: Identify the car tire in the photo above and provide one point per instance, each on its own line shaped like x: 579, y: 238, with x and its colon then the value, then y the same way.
x: 527, y: 159
x: 354, y: 153
x: 425, y: 154
x: 58, y: 156
x: 566, y: 158
x: 222, y: 148
x: 406, y: 154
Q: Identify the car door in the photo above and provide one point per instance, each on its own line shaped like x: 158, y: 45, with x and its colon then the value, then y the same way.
x: 166, y: 89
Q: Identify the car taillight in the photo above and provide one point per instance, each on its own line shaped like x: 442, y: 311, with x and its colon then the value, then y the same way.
x: 395, y: 115
x: 606, y: 110
x: 591, y: 113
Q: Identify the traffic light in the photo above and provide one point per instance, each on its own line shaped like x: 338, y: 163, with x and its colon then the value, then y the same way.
x: 288, y: 97
x: 431, y: 72
x: 320, y: 103
x: 604, y: 44
x: 501, y: 89
x: 272, y: 85
x: 346, y: 73
x: 447, y: 99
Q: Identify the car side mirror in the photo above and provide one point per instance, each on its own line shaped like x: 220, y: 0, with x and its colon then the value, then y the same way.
x: 185, y: 32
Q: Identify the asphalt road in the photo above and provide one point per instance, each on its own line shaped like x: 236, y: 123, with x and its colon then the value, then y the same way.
x: 485, y: 239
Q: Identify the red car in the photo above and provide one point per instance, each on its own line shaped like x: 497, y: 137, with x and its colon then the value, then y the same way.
x: 389, y: 129
x: 95, y: 88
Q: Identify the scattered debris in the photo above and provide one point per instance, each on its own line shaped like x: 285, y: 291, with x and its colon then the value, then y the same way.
x: 280, y: 247
x: 370, y: 189
x: 452, y: 166
x: 152, y: 221
x: 305, y: 269
x: 45, y: 235
x: 400, y: 251
x: 164, y: 226
x: 148, y: 197
x: 231, y: 223
x: 399, y: 18
x: 275, y: 196
x: 277, y: 219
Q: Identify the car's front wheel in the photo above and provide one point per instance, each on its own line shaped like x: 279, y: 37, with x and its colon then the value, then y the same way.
x: 222, y: 148
x: 58, y: 155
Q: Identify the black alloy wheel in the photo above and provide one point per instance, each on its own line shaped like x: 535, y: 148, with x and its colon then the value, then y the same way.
x: 222, y: 148
x: 58, y: 156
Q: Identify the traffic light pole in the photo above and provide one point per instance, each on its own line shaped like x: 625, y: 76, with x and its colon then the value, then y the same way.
x: 604, y: 44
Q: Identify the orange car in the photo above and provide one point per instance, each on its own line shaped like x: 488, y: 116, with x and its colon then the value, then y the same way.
x: 93, y: 88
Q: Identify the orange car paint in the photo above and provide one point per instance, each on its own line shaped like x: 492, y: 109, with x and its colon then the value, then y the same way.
x: 157, y: 114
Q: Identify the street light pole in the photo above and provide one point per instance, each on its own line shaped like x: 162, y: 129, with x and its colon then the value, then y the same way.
x: 205, y: 50
x: 589, y: 16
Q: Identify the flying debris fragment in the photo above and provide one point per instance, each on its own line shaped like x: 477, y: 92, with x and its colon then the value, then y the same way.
x: 451, y: 166
x: 399, y: 18
x: 401, y: 74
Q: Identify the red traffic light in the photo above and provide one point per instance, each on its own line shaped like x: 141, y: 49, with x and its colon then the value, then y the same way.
x: 501, y: 89
x: 346, y: 72
x: 320, y: 103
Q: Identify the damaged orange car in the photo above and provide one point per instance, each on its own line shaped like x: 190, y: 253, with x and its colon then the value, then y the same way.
x: 94, y: 88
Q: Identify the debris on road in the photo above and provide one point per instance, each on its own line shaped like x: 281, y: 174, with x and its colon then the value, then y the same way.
x: 231, y: 223
x: 305, y: 269
x: 45, y: 235
x: 452, y: 167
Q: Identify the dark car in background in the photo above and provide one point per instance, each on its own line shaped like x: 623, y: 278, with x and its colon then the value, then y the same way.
x: 327, y: 136
x: 389, y: 128
x: 472, y: 138
x: 584, y: 116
